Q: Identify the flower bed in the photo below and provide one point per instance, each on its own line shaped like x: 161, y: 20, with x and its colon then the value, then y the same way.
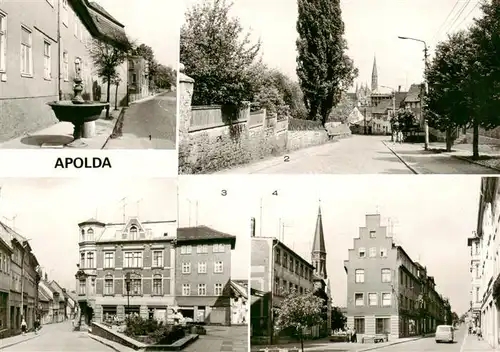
x: 153, y: 332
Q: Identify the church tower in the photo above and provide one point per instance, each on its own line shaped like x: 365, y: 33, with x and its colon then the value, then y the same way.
x: 318, y: 254
x: 374, y: 75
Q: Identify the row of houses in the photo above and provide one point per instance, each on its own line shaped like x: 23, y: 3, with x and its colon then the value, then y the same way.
x: 44, y: 45
x: 24, y: 292
x: 156, y: 270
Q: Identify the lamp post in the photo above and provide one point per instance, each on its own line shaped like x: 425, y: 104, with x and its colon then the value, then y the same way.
x: 423, y: 87
x: 127, y: 287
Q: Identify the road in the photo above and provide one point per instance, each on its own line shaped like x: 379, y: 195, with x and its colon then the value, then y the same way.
x: 221, y: 339
x: 149, y: 124
x: 56, y: 338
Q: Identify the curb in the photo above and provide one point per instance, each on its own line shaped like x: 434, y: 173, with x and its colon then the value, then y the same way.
x: 118, y: 125
x: 17, y: 343
x: 145, y: 99
x: 103, y: 342
x: 401, y: 159
x: 475, y: 162
x: 392, y: 344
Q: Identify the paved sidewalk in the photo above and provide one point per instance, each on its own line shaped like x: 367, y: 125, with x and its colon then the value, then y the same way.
x: 62, y: 133
x: 14, y: 340
x: 221, y: 339
x: 437, y: 161
x: 472, y: 344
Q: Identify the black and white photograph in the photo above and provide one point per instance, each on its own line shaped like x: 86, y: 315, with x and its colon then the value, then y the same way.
x: 374, y: 263
x: 339, y: 87
x: 88, y: 74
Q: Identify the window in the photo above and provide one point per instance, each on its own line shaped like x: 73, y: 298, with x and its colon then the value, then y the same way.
x: 133, y: 229
x: 478, y: 276
x: 291, y: 264
x: 108, y: 285
x: 157, y: 289
x: 218, y: 267
x: 157, y: 259
x: 218, y: 289
x: 134, y: 78
x: 277, y: 258
x: 362, y: 252
x: 297, y: 267
x: 82, y: 288
x: 109, y: 259
x: 372, y: 234
x: 202, y: 289
x: 372, y: 299
x: 3, y: 42
x: 26, y: 52
x: 90, y: 259
x: 202, y: 248
x: 133, y: 260
x: 218, y: 248
x: 186, y: 249
x: 373, y: 252
x: 359, y: 299
x: 386, y: 275
x: 383, y: 252
x: 136, y: 286
x: 202, y: 268
x: 285, y: 260
x: 90, y: 234
x: 477, y: 295
x: 186, y: 268
x: 359, y: 275
x: 186, y: 290
x: 276, y: 285
x: 386, y: 299
x: 382, y: 326
x: 82, y: 259
x: 65, y: 12
x: 359, y: 325
x: 65, y: 66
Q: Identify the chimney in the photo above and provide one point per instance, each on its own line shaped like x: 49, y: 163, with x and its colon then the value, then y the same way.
x: 399, y: 88
x: 46, y: 277
x: 252, y: 227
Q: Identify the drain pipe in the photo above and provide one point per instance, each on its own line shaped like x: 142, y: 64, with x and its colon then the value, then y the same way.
x: 59, y: 92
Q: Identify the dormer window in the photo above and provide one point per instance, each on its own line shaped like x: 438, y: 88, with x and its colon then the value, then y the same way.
x: 133, y: 232
x: 90, y: 234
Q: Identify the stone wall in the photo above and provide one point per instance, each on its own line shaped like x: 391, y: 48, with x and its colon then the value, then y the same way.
x: 304, y: 139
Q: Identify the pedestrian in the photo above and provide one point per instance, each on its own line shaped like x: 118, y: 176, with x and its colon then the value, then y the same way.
x: 24, y: 326
x: 37, y: 325
x: 400, y: 137
x: 348, y: 332
x: 354, y: 337
x: 478, y: 333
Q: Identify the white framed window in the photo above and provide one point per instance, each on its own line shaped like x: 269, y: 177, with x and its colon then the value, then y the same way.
x: 157, y: 259
x: 372, y: 299
x: 386, y: 299
x: 202, y: 248
x: 218, y: 289
x: 186, y: 268
x: 219, y: 267
x: 3, y: 41
x: 359, y: 299
x: 383, y: 252
x: 109, y: 260
x: 359, y: 275
x: 108, y: 285
x: 202, y: 289
x: 90, y: 260
x: 136, y: 286
x: 26, y: 52
x: 186, y: 249
x: 66, y: 66
x: 157, y: 285
x: 362, y: 252
x: 386, y: 275
x: 65, y: 12
x: 186, y: 290
x: 82, y: 287
x: 202, y: 268
x: 218, y: 248
x: 133, y: 260
x: 373, y: 252
x: 82, y: 259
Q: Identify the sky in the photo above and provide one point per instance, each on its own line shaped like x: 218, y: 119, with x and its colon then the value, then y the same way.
x: 48, y: 210
x: 432, y: 216
x: 229, y: 213
x: 371, y: 29
x: 153, y: 22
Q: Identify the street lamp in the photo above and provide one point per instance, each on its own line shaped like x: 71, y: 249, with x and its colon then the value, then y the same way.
x: 426, y: 126
x: 127, y: 286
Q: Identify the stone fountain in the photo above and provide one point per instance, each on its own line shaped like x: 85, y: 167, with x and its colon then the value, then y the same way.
x: 82, y: 114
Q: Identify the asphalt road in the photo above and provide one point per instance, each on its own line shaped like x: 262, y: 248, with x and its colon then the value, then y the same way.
x: 57, y: 338
x: 149, y: 124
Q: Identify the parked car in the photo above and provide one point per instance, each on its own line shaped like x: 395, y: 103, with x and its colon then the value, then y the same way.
x: 445, y: 333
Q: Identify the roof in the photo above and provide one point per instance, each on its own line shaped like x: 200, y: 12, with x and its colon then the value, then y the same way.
x: 400, y: 97
x: 43, y: 295
x: 101, y: 9
x: 382, y: 107
x: 203, y: 233
x: 413, y: 94
x: 241, y: 290
x: 319, y: 237
x: 148, y: 230
x: 91, y: 221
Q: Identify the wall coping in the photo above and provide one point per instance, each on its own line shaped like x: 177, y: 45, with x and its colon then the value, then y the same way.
x: 138, y: 344
x: 214, y: 125
x: 183, y: 78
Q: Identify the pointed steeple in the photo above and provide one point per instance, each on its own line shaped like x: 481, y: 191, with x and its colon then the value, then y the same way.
x: 357, y: 88
x: 374, y: 74
x: 318, y: 253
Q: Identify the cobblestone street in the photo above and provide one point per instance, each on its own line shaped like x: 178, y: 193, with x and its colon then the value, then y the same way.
x: 221, y: 339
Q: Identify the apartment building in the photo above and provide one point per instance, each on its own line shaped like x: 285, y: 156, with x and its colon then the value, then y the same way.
x: 5, y: 255
x: 138, y: 77
x: 387, y: 292
x: 125, y: 268
x: 474, y: 243
x: 43, y: 44
x: 203, y: 274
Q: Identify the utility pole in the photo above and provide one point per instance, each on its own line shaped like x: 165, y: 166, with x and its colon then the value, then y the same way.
x: 124, y: 205
x: 260, y: 217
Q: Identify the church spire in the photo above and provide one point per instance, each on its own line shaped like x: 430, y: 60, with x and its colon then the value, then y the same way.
x: 318, y: 253
x: 357, y: 87
x: 374, y: 74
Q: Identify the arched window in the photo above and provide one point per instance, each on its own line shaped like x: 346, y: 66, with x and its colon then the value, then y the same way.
x: 90, y: 234
x: 133, y: 232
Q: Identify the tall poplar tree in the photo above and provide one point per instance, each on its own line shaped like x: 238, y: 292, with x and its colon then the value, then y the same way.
x: 323, y: 67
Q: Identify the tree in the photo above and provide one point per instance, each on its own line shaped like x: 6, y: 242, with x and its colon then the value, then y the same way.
x: 148, y: 54
x: 339, y: 320
x: 107, y: 56
x: 166, y: 77
x: 448, y: 103
x: 404, y: 121
x: 324, y: 69
x: 217, y: 54
x: 299, y: 312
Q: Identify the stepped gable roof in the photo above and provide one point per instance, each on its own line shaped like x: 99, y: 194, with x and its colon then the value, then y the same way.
x: 203, y: 233
x: 413, y: 95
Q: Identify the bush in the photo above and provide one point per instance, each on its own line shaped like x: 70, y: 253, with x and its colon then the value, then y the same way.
x: 152, y: 331
x: 304, y: 125
x: 168, y: 334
